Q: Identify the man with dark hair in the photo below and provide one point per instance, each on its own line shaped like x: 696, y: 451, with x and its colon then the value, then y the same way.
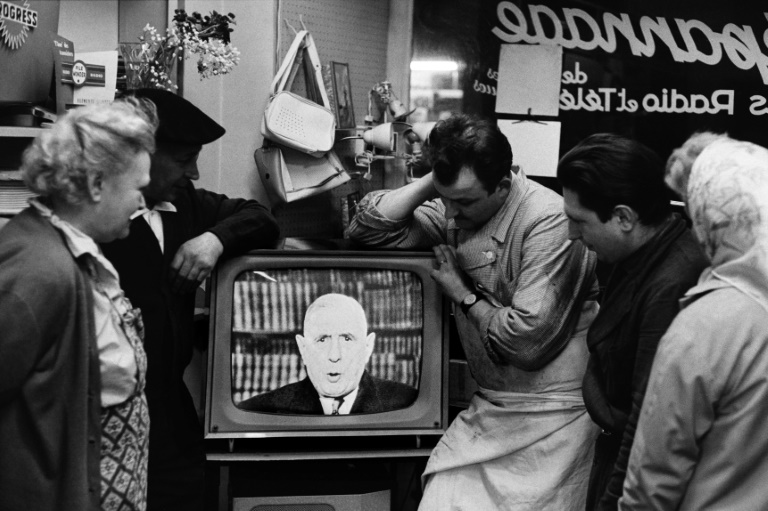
x: 617, y: 204
x: 170, y: 250
x: 523, y: 299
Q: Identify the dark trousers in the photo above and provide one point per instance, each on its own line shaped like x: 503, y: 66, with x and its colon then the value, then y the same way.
x: 181, y: 487
x: 606, y: 453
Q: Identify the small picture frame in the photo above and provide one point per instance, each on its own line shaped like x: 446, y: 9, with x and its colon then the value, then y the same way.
x: 342, y: 93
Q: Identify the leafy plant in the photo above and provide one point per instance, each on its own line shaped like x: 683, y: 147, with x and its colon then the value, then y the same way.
x: 149, y: 62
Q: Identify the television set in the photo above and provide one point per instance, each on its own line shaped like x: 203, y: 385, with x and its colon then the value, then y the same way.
x: 257, y: 307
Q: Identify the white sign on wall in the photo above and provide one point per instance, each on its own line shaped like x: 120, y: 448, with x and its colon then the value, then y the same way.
x: 529, y: 79
x: 16, y: 18
x: 535, y: 145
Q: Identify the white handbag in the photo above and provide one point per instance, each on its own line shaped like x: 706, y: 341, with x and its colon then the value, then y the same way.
x: 289, y: 175
x: 291, y: 120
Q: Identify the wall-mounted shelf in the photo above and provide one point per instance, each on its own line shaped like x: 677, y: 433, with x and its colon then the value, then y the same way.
x: 20, y: 132
x: 10, y: 175
x: 13, y: 192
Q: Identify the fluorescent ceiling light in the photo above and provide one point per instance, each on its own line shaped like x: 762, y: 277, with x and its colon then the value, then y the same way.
x: 434, y: 65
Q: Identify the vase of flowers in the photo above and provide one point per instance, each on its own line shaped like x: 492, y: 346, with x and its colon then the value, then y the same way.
x: 149, y: 63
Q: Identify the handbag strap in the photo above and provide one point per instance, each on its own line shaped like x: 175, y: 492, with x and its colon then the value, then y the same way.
x: 302, y: 51
x: 317, y: 76
x: 281, y: 77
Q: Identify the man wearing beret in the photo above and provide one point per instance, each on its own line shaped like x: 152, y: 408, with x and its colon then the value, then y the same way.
x: 170, y: 250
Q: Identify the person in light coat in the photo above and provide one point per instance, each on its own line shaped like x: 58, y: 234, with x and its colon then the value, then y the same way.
x: 701, y: 441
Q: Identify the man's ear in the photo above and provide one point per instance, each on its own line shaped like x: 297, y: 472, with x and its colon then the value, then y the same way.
x: 626, y: 217
x: 504, y: 187
x: 370, y: 342
x: 95, y: 186
x: 300, y: 342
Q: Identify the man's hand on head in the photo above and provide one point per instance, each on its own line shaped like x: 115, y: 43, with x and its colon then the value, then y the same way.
x: 194, y: 261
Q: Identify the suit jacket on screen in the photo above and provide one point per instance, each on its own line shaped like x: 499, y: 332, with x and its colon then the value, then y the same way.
x: 375, y: 396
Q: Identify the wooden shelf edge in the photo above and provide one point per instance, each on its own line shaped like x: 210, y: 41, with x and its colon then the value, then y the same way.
x: 10, y: 175
x: 20, y: 131
x: 293, y: 456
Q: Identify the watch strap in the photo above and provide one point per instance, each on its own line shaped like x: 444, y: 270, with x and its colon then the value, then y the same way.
x: 464, y: 306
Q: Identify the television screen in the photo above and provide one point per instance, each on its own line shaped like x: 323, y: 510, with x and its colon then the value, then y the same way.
x: 269, y: 313
x: 307, y: 342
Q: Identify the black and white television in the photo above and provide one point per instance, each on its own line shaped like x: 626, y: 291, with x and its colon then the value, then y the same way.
x: 258, y: 303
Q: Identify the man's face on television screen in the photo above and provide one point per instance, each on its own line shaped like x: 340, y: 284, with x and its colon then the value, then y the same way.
x: 335, y: 347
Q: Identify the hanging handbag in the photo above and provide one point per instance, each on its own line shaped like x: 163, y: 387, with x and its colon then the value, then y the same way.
x: 289, y: 175
x: 292, y: 120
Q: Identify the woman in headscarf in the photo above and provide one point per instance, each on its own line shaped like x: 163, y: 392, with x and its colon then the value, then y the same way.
x: 73, y: 417
x: 701, y: 441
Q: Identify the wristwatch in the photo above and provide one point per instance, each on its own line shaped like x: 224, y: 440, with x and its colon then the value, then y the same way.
x: 469, y: 300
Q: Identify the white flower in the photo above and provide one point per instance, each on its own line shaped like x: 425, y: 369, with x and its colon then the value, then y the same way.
x: 158, y: 53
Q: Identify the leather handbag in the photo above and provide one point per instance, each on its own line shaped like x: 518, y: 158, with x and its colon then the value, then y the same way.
x: 289, y: 175
x: 305, y: 124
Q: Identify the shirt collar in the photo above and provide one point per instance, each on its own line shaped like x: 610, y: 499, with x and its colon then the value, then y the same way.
x: 654, y: 247
x: 502, y: 220
x: 712, y: 279
x: 707, y: 283
x: 160, y: 206
x: 346, y: 405
x: 164, y: 206
x: 78, y: 243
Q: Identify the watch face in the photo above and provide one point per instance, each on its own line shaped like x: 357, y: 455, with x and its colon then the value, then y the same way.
x: 470, y: 299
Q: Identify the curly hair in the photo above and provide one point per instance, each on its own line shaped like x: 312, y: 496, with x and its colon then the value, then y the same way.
x: 680, y: 162
x: 467, y: 141
x: 88, y: 142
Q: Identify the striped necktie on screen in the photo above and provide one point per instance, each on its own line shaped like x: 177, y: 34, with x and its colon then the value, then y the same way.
x: 336, y: 405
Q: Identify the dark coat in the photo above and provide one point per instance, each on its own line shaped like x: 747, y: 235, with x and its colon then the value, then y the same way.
x: 640, y: 302
x: 176, y: 437
x: 375, y: 396
x: 50, y: 388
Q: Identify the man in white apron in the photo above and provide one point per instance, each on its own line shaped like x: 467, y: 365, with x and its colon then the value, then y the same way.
x: 524, y: 296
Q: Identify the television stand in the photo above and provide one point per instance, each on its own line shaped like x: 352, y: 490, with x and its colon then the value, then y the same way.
x: 312, y: 448
x: 233, y: 457
x: 248, y: 468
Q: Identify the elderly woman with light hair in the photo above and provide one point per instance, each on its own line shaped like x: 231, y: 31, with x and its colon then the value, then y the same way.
x: 73, y: 417
x: 701, y: 440
x: 681, y: 160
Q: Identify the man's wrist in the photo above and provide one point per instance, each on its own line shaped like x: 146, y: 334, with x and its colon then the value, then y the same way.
x: 469, y: 301
x: 216, y: 242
